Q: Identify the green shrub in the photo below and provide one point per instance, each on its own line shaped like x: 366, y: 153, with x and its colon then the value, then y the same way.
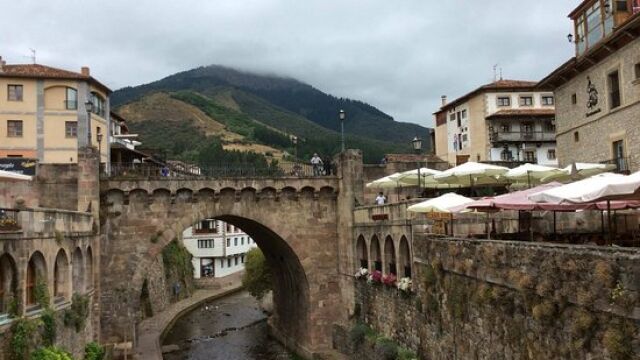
x: 257, y: 275
x: 50, y: 353
x: 93, y: 351
x: 48, y: 319
x: 21, y: 338
x: 618, y: 344
x: 41, y: 292
x: 386, y: 349
x: 76, y: 316
x: 359, y: 332
x: 406, y: 354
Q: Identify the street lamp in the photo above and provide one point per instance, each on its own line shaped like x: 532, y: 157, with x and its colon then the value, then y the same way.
x: 342, y: 116
x: 99, y: 138
x: 417, y: 147
x: 89, y: 107
x: 294, y: 140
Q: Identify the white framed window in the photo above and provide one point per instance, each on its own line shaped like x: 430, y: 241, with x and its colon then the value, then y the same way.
x: 547, y: 100
x: 503, y: 101
x: 14, y: 92
x: 71, y: 129
x: 14, y: 128
x: 526, y: 100
x: 551, y: 154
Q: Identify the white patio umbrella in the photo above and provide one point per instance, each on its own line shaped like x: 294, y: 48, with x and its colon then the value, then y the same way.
x: 577, y: 171
x: 472, y: 173
x: 411, y: 177
x: 387, y: 182
x: 12, y: 176
x: 441, y: 204
x: 605, y: 186
x: 529, y: 174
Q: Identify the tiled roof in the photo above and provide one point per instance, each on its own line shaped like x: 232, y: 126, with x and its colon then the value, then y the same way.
x: 522, y: 112
x: 44, y: 72
x: 500, y: 85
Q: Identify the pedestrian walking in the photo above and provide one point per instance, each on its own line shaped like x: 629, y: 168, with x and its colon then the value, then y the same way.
x: 327, y: 166
x: 316, y: 162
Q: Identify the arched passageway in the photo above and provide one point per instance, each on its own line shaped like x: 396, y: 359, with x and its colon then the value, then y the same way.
x: 78, y: 271
x: 61, y: 284
x: 361, y: 251
x: 36, y: 273
x: 376, y: 253
x: 390, y: 256
x: 405, y: 257
x: 8, y: 282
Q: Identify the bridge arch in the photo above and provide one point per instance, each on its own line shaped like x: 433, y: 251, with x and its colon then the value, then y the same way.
x: 375, y: 251
x: 362, y: 253
x: 390, y: 266
x: 61, y: 286
x: 8, y: 281
x: 294, y: 222
x: 404, y: 258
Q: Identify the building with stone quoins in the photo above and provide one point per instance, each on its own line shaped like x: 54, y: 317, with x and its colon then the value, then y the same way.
x: 43, y: 113
x: 598, y: 90
x: 504, y: 121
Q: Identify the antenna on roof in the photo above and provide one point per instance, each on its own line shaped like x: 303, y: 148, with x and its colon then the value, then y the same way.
x: 33, y: 55
x: 495, y: 72
x: 500, y: 73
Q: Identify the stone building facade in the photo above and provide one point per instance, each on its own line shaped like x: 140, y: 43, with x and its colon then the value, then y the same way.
x: 598, y: 92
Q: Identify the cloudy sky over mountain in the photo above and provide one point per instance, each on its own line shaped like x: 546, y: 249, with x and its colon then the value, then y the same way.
x: 397, y: 55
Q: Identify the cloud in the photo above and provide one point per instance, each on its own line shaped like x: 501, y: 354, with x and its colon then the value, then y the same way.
x: 397, y: 55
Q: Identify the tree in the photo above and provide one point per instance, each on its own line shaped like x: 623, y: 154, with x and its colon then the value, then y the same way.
x: 257, y: 276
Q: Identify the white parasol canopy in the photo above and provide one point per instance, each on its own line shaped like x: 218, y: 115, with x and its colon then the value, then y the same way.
x: 411, y: 177
x: 441, y: 204
x: 599, y: 187
x: 12, y: 176
x: 578, y: 171
x: 387, y: 182
x: 472, y: 173
x: 531, y: 173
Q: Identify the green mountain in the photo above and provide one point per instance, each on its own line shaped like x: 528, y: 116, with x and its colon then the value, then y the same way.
x: 260, y: 109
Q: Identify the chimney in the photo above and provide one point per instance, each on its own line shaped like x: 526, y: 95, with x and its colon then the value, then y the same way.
x: 85, y: 71
x: 2, y: 64
x: 444, y: 100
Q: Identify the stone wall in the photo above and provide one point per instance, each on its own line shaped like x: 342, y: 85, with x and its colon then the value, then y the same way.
x: 512, y: 300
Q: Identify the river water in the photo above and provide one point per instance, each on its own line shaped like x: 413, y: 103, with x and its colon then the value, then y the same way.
x: 231, y: 328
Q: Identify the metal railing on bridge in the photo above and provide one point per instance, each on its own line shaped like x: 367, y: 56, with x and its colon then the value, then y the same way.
x: 279, y: 169
x: 9, y: 220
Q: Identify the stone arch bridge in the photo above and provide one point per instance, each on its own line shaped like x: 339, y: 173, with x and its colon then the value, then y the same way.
x: 301, y: 225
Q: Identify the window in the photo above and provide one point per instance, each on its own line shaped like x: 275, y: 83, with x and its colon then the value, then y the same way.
x: 547, y: 100
x: 530, y: 156
x: 242, y: 240
x: 452, y: 117
x: 637, y: 71
x: 506, y: 155
x: 459, y: 118
x: 614, y: 90
x: 618, y: 156
x: 464, y: 114
x: 504, y: 101
x: 14, y: 128
x: 206, y: 244
x: 228, y: 262
x: 228, y: 228
x: 14, y: 93
x: 574, y: 99
x: 236, y: 260
x: 235, y: 241
x: 551, y: 154
x: 526, y: 101
x: 98, y: 104
x: 549, y: 126
x: 527, y: 128
x: 222, y: 263
x: 242, y: 258
x: 71, y: 102
x: 576, y: 136
x: 228, y: 242
x: 505, y: 128
x: 71, y: 129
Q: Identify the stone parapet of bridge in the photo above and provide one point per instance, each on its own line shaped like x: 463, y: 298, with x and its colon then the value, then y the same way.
x: 47, y: 223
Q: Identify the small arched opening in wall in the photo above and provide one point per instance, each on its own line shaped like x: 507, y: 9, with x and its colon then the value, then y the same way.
x: 390, y: 256
x: 61, y: 277
x: 89, y: 272
x: 78, y: 271
x: 36, y: 274
x: 376, y: 253
x: 8, y: 283
x: 361, y: 250
x: 405, y: 257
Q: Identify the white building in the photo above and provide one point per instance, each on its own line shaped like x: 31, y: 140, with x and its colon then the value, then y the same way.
x: 505, y: 121
x: 218, y: 248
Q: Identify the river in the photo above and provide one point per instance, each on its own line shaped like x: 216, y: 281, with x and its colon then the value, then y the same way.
x: 230, y: 328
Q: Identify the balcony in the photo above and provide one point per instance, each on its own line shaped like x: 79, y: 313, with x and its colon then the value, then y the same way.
x: 522, y: 136
x: 622, y: 165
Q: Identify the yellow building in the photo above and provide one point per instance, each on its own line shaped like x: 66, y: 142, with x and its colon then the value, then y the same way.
x: 43, y: 113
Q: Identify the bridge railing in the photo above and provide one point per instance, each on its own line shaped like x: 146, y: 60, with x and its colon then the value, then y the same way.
x: 279, y: 169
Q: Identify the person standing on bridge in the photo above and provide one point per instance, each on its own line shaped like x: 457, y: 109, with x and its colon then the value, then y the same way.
x: 380, y: 199
x: 316, y: 162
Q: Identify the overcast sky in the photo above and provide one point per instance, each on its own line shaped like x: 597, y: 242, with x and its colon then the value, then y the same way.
x: 399, y: 56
